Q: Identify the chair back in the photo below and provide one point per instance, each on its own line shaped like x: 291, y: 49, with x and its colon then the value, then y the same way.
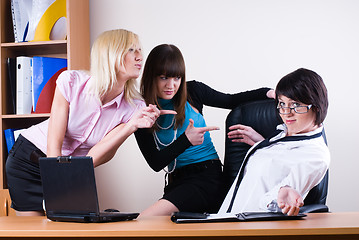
x: 262, y: 116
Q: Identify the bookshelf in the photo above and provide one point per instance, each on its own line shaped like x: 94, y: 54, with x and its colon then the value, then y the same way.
x: 76, y: 49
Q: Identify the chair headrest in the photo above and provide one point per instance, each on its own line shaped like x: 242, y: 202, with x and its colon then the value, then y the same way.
x: 262, y: 116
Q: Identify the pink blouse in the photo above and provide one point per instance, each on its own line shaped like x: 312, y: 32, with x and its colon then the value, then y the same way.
x: 88, y: 121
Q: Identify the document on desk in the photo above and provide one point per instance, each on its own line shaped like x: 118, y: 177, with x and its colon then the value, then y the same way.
x: 186, y: 217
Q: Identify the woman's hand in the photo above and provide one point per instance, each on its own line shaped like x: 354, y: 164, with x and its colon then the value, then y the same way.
x: 271, y: 94
x: 245, y: 134
x: 147, y: 116
x: 289, y: 200
x: 196, y: 134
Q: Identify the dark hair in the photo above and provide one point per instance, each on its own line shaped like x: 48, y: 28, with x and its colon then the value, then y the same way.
x: 305, y: 86
x: 165, y: 60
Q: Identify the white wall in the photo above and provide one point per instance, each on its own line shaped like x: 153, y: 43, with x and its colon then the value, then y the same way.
x: 235, y: 45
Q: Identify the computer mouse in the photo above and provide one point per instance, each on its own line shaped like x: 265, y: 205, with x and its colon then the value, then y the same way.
x: 111, y: 210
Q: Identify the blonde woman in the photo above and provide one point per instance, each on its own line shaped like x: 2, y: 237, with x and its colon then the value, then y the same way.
x: 86, y: 108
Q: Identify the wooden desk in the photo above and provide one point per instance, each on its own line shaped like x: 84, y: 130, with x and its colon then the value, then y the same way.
x: 314, y: 226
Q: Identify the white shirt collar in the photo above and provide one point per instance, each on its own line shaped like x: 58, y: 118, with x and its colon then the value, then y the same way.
x: 284, y: 130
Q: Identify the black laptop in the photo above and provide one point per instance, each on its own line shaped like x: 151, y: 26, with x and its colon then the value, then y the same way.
x: 70, y: 193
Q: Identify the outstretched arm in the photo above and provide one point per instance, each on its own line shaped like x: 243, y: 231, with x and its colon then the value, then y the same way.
x: 306, y: 166
x: 159, y: 159
x: 201, y: 94
x: 104, y: 150
x: 57, y: 124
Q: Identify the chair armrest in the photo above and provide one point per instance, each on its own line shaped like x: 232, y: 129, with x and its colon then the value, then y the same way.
x: 314, y: 208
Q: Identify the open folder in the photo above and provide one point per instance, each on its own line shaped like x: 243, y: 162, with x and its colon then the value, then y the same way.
x: 188, y: 217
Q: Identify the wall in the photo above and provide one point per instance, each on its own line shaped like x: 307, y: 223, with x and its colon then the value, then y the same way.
x: 235, y: 45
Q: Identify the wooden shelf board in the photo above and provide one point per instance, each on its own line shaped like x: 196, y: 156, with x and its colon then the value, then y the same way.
x: 29, y: 44
x: 34, y: 115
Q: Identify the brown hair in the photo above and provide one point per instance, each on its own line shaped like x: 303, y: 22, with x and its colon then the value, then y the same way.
x: 308, y: 87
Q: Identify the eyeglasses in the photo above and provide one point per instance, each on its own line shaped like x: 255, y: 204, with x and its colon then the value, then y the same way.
x: 298, y: 109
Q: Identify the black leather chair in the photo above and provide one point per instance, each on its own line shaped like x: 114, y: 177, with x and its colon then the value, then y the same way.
x: 262, y: 116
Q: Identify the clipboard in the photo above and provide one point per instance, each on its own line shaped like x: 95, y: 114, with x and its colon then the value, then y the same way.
x: 188, y: 217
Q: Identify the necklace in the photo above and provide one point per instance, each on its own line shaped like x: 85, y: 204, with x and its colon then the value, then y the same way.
x: 165, y: 128
x: 157, y: 139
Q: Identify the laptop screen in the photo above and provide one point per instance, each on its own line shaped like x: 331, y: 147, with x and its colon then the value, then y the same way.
x: 69, y: 185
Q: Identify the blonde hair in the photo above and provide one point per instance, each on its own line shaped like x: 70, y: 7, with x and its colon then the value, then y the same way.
x: 107, y: 55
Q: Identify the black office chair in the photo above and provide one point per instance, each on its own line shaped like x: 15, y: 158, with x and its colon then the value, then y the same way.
x: 262, y: 116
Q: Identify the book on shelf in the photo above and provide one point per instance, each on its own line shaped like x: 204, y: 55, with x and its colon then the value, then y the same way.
x: 11, y: 135
x: 23, y: 85
x: 11, y: 69
x: 21, y: 11
x: 9, y: 138
x: 45, y: 71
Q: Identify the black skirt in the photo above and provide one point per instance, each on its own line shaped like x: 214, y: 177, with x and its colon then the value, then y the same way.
x: 23, y: 176
x: 196, y: 187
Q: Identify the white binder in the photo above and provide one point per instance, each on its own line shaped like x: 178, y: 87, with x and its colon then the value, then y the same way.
x: 23, y: 85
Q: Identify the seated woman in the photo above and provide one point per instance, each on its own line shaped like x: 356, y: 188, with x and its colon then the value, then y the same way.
x: 278, y: 172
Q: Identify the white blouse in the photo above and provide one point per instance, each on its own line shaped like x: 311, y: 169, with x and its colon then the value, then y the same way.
x: 298, y: 164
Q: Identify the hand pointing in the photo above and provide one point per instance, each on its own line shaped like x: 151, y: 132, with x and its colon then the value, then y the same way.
x: 196, y: 134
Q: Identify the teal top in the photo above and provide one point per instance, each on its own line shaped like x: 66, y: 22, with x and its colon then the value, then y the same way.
x: 166, y: 134
x: 201, y: 95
